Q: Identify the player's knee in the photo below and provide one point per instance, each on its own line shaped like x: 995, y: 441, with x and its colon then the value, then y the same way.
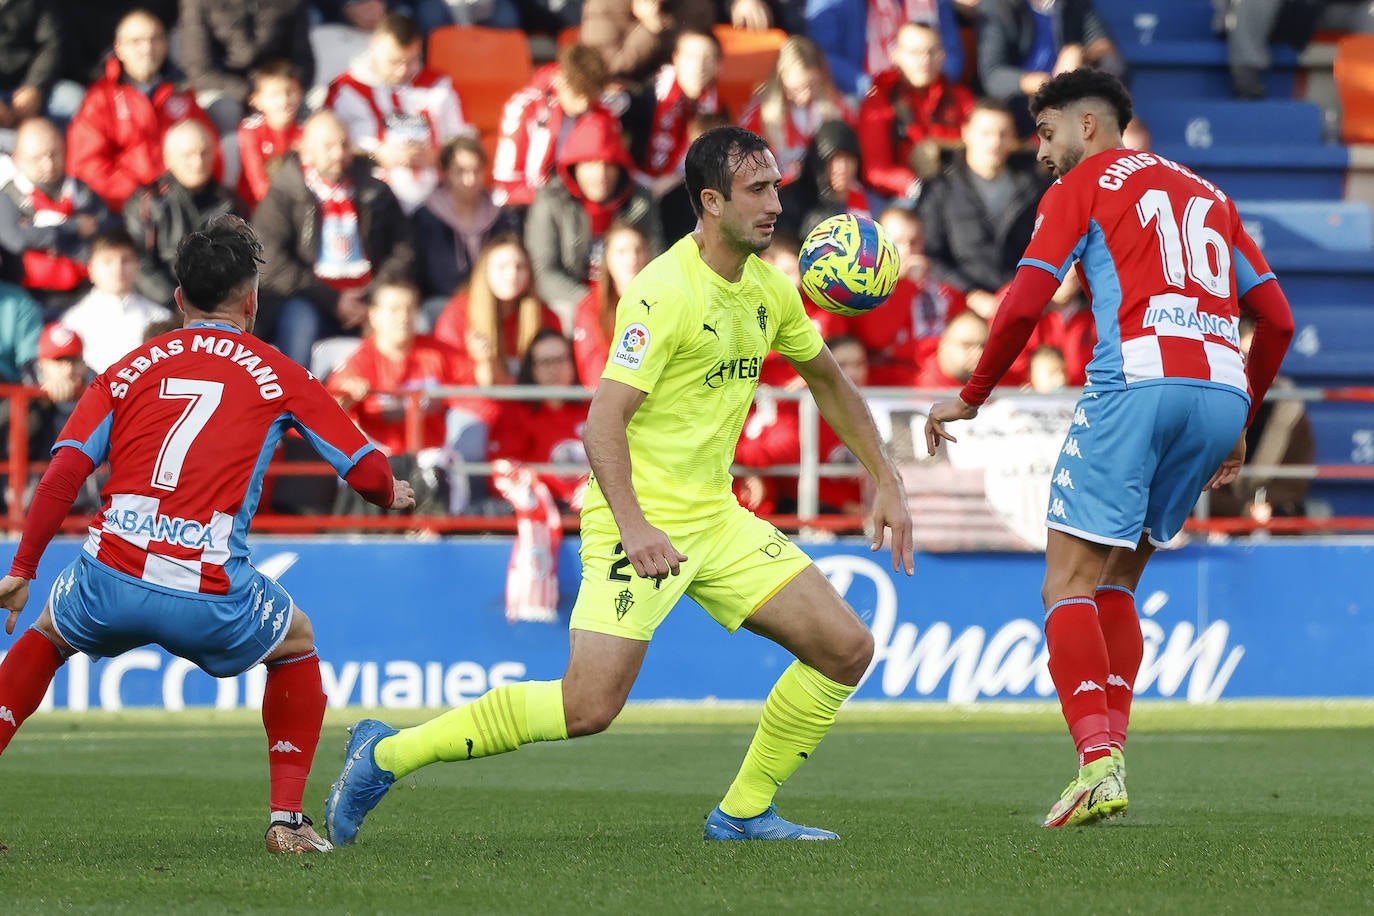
x: 859, y: 655
x: 591, y: 719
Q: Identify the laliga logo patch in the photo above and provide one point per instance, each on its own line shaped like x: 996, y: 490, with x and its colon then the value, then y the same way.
x: 632, y: 347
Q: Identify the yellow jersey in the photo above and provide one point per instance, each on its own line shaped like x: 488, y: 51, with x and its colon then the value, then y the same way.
x: 694, y: 342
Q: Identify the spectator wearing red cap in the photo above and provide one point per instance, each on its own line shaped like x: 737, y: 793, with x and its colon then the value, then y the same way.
x: 62, y: 375
x: 568, y: 221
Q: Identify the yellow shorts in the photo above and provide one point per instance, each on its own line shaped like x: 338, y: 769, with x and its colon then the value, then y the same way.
x: 735, y: 563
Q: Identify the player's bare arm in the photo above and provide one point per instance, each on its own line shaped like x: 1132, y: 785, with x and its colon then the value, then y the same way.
x: 605, y: 437
x: 847, y: 413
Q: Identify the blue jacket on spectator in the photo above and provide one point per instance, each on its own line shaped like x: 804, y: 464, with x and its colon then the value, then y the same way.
x: 840, y: 29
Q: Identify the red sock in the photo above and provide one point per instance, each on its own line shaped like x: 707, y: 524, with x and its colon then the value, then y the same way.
x: 1120, y: 624
x: 25, y: 674
x: 1078, y: 665
x: 292, y: 712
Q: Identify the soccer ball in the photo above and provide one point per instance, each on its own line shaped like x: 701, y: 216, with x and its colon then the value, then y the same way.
x: 849, y: 265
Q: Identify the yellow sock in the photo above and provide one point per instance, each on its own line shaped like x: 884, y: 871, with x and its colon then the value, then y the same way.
x: 799, y: 711
x: 500, y: 720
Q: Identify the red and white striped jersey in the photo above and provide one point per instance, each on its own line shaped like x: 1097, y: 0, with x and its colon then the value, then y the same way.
x: 188, y: 422
x: 1164, y: 257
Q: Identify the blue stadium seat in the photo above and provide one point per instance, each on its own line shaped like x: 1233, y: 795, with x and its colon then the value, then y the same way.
x: 1345, y: 435
x: 1206, y: 123
x: 1313, y: 277
x: 1198, y: 70
x: 1273, y: 172
x: 1145, y: 22
x: 1318, y: 225
x: 1333, y: 343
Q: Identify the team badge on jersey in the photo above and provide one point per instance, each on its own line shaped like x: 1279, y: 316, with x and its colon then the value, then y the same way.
x: 634, y: 343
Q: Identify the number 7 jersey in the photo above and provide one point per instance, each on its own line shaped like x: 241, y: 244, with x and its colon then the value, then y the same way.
x: 1165, y: 260
x: 188, y: 423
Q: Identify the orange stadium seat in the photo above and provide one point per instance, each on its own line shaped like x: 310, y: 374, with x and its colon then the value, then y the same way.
x: 1354, y: 72
x: 747, y: 58
x: 569, y: 36
x: 487, y: 67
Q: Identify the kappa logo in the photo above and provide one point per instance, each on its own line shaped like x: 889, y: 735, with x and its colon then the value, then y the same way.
x: 1116, y: 680
x: 634, y: 343
x: 1071, y: 448
x: 1057, y: 509
x: 284, y: 747
x: 64, y: 585
x: 1064, y: 479
x: 1087, y: 687
x: 277, y: 622
x: 7, y: 716
x: 267, y: 611
x: 1080, y: 418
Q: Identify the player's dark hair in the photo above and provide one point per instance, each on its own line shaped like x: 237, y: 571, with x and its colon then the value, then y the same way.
x: 1084, y: 83
x: 214, y: 263
x: 715, y: 157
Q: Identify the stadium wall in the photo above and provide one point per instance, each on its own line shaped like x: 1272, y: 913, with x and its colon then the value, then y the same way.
x: 403, y: 625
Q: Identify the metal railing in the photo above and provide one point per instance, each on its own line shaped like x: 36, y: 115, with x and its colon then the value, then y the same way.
x: 809, y: 471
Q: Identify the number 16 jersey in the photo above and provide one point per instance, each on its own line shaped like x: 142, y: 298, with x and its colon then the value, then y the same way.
x: 1165, y: 260
x: 188, y: 423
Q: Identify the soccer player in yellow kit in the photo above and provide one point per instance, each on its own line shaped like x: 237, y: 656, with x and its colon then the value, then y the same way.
x: 659, y: 519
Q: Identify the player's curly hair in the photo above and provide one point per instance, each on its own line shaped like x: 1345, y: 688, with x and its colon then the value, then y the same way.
x: 1084, y: 83
x: 213, y: 264
x: 715, y: 157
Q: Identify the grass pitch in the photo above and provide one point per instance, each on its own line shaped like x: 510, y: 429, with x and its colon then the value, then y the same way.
x: 1236, y: 808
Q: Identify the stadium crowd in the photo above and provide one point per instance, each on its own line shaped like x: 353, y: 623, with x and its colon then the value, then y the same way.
x: 406, y: 248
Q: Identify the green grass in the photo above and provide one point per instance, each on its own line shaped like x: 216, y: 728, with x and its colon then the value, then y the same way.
x: 1236, y: 808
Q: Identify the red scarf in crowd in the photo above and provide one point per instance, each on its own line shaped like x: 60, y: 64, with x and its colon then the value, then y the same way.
x: 46, y: 269
x: 673, y: 114
x: 342, y: 263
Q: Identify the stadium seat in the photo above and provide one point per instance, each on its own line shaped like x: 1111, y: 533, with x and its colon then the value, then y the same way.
x: 1145, y: 22
x: 1205, y: 123
x: 1354, y: 73
x: 1198, y: 70
x: 569, y: 36
x: 747, y: 58
x: 1317, y: 225
x: 1332, y: 343
x: 1273, y: 171
x: 1344, y: 434
x: 487, y: 67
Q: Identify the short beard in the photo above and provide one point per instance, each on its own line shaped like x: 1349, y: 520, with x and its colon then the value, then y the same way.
x: 1071, y: 159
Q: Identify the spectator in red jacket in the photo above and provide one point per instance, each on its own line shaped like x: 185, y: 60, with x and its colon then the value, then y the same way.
x: 495, y: 318
x: 1068, y: 327
x: 904, y: 333
x: 910, y: 113
x: 957, y: 354
x: 797, y: 98
x: 626, y: 253
x: 271, y: 131
x: 772, y: 436
x: 115, y: 141
x: 547, y: 431
x: 535, y: 122
x: 392, y: 360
